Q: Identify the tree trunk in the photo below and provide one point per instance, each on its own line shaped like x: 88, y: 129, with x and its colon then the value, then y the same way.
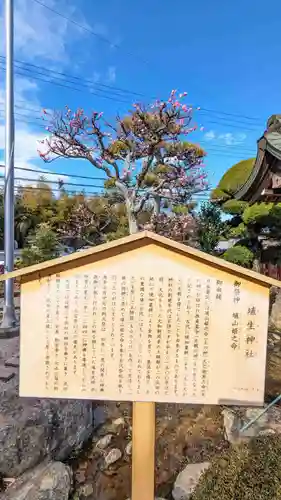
x: 156, y: 205
x: 133, y: 225
x: 256, y: 247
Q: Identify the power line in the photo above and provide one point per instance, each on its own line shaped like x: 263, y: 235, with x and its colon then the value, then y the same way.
x: 238, y: 121
x: 52, y: 82
x: 25, y: 179
x: 201, y: 142
x: 30, y: 122
x: 89, y: 194
x: 235, y: 125
x: 104, y: 39
x: 228, y: 147
x: 206, y: 145
x: 88, y: 30
x: 210, y: 150
x: 86, y: 83
x: 224, y: 150
x: 57, y: 173
x: 31, y: 188
x: 246, y: 117
x: 27, y: 116
x: 78, y: 78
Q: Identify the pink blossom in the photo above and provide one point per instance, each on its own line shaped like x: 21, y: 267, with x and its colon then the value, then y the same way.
x: 184, y: 108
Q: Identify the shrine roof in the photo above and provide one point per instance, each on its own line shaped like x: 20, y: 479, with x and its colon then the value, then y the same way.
x: 127, y: 244
x: 267, y: 158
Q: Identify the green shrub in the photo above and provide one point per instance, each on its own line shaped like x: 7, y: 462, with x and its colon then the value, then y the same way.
x: 236, y: 176
x: 239, y: 231
x: 245, y: 472
x: 109, y: 183
x: 42, y: 245
x: 239, y: 255
x: 180, y: 209
x: 257, y: 213
x: 219, y: 195
x: 234, y: 207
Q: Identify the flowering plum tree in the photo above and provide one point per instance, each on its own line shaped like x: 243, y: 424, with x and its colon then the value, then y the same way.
x: 178, y: 227
x: 144, y: 155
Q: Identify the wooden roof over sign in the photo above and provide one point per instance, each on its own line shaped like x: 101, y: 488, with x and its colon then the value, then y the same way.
x: 127, y: 244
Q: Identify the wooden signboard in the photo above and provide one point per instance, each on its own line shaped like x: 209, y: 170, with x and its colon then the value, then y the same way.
x: 147, y: 320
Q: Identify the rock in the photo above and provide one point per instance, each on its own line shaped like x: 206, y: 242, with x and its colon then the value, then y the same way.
x: 184, y: 434
x: 118, y: 422
x: 71, y: 426
x: 33, y: 429
x: 113, y: 427
x: 275, y: 315
x: 128, y: 448
x: 253, y: 413
x: 99, y: 416
x: 86, y: 490
x: 267, y: 432
x: 104, y: 442
x: 234, y: 420
x: 187, y: 480
x: 51, y: 481
x: 232, y: 424
x: 112, y: 457
x: 80, y: 476
x: 112, y: 487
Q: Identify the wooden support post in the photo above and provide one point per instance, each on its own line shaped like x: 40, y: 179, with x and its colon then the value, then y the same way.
x: 143, y: 458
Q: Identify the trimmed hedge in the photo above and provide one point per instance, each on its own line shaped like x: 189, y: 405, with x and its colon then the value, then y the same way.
x: 233, y: 179
x: 239, y: 255
x: 236, y: 176
x: 219, y: 195
x: 245, y: 472
x: 234, y: 207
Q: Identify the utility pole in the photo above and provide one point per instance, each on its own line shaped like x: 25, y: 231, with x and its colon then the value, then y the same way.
x: 9, y: 319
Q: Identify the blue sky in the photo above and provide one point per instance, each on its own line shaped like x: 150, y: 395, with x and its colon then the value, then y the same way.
x: 224, y: 54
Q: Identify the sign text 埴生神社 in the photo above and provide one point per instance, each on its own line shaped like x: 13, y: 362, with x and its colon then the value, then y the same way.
x: 148, y: 324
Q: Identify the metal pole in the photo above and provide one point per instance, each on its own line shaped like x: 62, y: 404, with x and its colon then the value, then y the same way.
x: 9, y: 318
x: 254, y: 420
